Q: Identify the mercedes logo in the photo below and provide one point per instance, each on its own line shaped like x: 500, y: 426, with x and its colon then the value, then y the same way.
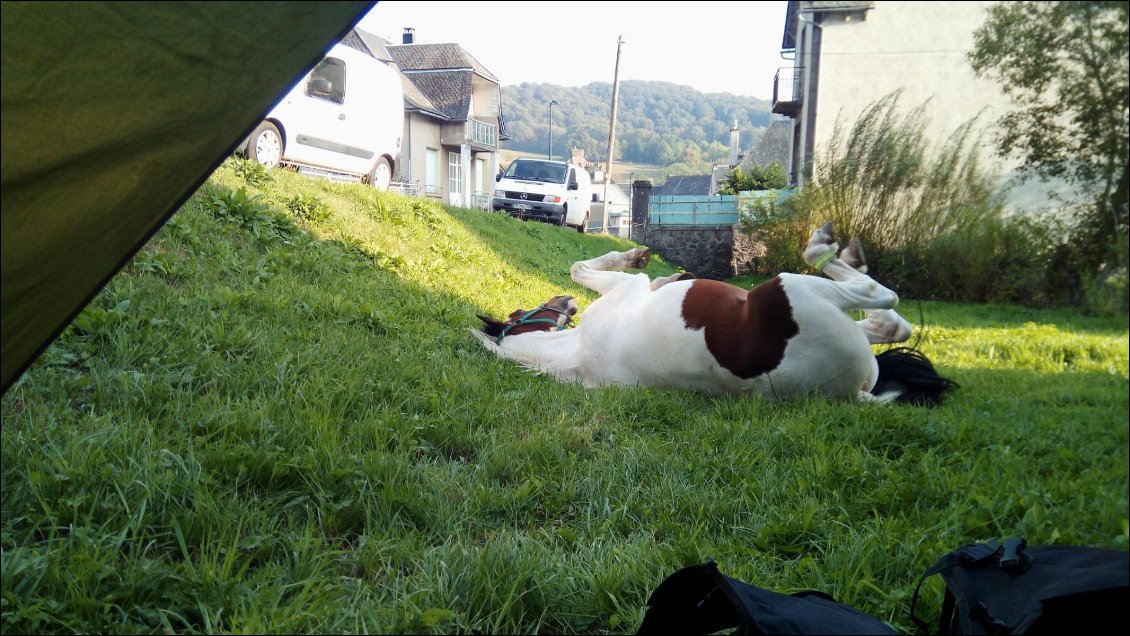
x: 525, y: 196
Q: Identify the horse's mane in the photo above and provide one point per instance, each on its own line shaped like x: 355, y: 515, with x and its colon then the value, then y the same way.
x: 909, y: 372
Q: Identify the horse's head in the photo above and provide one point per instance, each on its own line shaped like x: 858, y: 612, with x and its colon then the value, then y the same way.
x: 555, y: 313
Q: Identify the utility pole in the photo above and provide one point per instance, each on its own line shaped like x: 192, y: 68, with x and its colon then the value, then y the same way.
x: 552, y: 103
x: 612, y: 132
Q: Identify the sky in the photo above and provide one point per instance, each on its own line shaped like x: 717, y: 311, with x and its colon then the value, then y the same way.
x: 715, y: 47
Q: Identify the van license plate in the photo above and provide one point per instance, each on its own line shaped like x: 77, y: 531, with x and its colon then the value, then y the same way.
x: 522, y: 206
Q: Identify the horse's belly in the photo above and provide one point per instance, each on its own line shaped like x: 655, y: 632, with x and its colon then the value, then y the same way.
x: 660, y: 355
x: 817, y: 363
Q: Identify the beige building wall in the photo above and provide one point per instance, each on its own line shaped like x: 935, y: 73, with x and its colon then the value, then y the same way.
x: 421, y: 133
x: 918, y: 47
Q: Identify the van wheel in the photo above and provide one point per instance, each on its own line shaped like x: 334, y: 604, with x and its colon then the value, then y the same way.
x: 265, y: 145
x: 381, y: 175
x: 584, y: 226
x: 564, y: 215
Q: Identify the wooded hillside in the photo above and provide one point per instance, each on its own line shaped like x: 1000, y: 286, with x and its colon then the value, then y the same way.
x: 657, y: 122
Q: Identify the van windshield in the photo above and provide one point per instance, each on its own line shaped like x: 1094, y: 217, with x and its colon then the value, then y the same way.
x: 545, y: 171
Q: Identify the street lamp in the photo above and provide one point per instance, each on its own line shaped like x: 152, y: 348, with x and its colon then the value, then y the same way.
x: 631, y: 199
x: 552, y: 103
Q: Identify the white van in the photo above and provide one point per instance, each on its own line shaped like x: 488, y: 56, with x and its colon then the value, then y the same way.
x: 554, y: 191
x: 344, y: 120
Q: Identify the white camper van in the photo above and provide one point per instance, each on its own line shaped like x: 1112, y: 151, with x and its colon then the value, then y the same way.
x: 343, y: 120
x: 554, y: 191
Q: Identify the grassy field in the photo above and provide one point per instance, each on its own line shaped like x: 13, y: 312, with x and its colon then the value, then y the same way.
x: 275, y: 421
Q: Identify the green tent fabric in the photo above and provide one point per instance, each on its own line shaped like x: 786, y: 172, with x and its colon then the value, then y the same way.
x: 113, y: 114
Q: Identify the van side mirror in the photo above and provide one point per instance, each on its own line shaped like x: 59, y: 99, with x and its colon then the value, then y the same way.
x: 498, y: 177
x: 321, y: 86
x: 574, y: 185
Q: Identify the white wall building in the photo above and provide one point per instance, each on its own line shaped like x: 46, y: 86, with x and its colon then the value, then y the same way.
x: 848, y: 54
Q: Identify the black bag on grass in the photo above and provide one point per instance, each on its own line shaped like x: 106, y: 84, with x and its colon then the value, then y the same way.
x: 1014, y: 589
x: 701, y: 600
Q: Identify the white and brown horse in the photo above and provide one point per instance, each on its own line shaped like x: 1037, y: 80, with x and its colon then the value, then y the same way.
x: 786, y: 338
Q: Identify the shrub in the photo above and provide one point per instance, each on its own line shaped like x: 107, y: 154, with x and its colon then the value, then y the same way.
x: 253, y: 174
x: 309, y: 208
x: 932, y: 221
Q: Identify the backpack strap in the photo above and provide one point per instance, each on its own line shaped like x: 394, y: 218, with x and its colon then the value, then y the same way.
x: 942, y: 564
x: 970, y: 555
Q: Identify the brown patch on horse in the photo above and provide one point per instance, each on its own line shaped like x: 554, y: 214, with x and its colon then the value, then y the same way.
x: 746, y: 332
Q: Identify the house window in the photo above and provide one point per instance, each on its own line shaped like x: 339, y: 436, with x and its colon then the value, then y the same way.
x: 431, y: 171
x: 454, y: 174
x: 327, y: 81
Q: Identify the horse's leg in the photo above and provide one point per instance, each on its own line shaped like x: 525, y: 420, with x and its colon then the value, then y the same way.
x: 663, y: 280
x: 821, y: 254
x: 882, y: 325
x: 601, y: 274
x: 637, y: 258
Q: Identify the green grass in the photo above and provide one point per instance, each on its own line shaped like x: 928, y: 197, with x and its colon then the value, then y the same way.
x: 275, y: 421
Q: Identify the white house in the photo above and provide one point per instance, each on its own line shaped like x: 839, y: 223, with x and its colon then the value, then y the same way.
x: 453, y: 121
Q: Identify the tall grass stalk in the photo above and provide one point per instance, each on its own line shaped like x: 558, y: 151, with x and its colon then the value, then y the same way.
x: 882, y: 182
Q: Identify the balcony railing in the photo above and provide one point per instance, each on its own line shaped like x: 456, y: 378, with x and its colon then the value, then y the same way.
x: 406, y: 188
x: 787, y: 90
x: 483, y: 133
x: 480, y: 201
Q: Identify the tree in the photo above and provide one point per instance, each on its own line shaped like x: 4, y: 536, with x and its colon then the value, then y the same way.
x: 770, y: 177
x: 1065, y: 66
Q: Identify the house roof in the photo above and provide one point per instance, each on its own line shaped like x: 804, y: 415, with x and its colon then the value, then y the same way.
x: 695, y: 184
x: 372, y: 44
x: 448, y: 91
x: 436, y: 57
x: 788, y: 41
x: 834, y: 5
x: 442, y: 74
x: 416, y: 100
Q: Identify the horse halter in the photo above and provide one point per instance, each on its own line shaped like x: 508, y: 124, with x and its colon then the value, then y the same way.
x: 526, y: 320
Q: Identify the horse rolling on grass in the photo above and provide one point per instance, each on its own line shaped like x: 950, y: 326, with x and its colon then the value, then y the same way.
x: 786, y: 338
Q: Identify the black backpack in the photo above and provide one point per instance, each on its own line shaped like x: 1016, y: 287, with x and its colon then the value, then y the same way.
x: 701, y: 600
x: 1011, y: 588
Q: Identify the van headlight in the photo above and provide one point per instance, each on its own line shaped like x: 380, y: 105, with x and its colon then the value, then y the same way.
x: 552, y: 199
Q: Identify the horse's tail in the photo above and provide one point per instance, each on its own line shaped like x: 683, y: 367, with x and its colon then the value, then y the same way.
x: 910, y: 374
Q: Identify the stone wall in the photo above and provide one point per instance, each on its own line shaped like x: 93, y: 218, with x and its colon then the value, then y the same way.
x: 707, y: 252
x: 704, y: 252
x: 746, y: 253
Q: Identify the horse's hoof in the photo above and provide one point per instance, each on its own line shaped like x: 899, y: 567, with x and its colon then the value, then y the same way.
x: 639, y: 260
x: 853, y: 255
x: 826, y: 230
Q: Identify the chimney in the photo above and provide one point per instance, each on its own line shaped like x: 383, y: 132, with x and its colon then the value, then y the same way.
x: 734, y: 145
x: 407, y: 37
